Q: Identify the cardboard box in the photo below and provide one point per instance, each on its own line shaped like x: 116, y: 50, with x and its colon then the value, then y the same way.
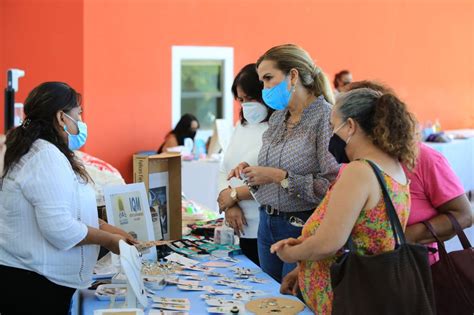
x: 161, y: 174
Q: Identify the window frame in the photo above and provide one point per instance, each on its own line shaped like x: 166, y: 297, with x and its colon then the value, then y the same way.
x: 204, y: 53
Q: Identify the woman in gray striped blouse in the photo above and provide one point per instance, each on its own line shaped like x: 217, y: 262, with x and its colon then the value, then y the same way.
x: 294, y: 168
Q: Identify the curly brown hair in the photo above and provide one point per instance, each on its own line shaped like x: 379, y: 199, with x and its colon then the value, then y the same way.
x: 385, y: 119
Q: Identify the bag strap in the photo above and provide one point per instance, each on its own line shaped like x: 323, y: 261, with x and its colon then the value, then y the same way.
x: 441, y: 248
x: 398, y: 232
x: 459, y: 287
x: 397, y: 229
x: 459, y: 231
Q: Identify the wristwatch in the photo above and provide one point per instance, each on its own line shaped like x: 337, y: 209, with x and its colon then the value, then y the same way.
x: 233, y: 194
x: 284, y: 182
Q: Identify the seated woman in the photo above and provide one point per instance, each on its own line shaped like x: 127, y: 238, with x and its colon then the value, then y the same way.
x: 49, y: 226
x: 368, y: 126
x: 186, y: 127
x: 434, y: 189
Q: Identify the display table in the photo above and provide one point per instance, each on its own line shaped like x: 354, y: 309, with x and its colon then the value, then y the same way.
x: 88, y: 302
x: 460, y: 155
x: 199, y: 180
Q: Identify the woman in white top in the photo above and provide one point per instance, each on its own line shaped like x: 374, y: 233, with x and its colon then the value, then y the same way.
x: 241, y: 210
x: 49, y: 228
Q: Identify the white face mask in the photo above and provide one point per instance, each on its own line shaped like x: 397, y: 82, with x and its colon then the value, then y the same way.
x: 254, y: 112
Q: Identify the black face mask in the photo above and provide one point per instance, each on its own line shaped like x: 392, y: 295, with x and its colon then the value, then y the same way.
x: 337, y: 147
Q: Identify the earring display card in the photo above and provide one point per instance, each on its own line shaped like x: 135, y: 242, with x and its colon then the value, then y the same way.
x: 172, y: 307
x: 275, y: 305
x: 157, y: 299
x: 187, y: 248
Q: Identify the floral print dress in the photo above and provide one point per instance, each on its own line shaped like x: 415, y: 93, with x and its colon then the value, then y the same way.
x: 372, y: 234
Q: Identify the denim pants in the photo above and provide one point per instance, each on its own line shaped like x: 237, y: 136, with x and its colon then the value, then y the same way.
x: 272, y: 229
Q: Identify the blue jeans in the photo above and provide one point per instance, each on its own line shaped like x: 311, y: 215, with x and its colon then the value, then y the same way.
x: 272, y: 229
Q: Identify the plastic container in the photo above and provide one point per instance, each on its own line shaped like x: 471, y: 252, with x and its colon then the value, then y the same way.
x: 188, y: 146
x: 224, y: 235
x: 220, y: 253
x: 199, y: 149
x: 105, y: 291
x: 154, y: 282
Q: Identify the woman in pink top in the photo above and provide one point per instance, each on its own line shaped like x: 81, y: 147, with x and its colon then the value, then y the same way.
x: 434, y: 190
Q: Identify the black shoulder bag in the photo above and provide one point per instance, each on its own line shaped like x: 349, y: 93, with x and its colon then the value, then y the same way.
x: 396, y: 282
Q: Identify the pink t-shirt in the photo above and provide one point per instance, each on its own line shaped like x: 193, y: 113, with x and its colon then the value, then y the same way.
x: 432, y: 183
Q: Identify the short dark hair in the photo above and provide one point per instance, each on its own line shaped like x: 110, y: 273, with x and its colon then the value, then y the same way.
x: 339, y: 75
x: 247, y: 80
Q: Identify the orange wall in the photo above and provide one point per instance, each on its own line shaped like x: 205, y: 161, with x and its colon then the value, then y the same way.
x: 44, y: 38
x: 423, y: 49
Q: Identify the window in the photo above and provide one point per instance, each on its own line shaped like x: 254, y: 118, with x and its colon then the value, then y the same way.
x: 202, y: 80
x: 201, y: 90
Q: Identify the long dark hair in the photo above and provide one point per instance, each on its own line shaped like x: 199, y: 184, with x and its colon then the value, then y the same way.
x: 41, y: 107
x: 247, y: 80
x: 182, y: 130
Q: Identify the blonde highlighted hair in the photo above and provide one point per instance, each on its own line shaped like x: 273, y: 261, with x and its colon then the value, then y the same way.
x: 290, y: 56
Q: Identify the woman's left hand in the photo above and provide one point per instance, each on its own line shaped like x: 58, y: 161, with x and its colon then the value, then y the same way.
x: 261, y: 175
x: 280, y: 244
x: 285, y: 250
x: 130, y: 239
x: 115, y: 230
x: 224, y: 200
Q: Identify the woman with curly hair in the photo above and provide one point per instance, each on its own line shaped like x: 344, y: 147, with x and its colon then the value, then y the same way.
x: 368, y: 126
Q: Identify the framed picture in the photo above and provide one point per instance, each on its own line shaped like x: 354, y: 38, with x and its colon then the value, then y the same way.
x: 127, y: 208
x: 158, y: 197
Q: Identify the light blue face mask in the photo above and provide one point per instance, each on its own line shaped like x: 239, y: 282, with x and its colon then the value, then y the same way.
x: 278, y: 97
x: 75, y: 142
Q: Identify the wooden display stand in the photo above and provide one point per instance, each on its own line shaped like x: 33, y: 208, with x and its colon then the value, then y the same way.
x: 144, y: 168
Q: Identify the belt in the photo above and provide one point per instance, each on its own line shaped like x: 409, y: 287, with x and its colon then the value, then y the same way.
x: 273, y: 212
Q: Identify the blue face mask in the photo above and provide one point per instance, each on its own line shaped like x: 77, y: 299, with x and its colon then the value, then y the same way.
x: 278, y: 97
x: 75, y: 142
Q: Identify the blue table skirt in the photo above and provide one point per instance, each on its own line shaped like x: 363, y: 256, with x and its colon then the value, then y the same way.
x: 88, y: 302
x: 460, y: 155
